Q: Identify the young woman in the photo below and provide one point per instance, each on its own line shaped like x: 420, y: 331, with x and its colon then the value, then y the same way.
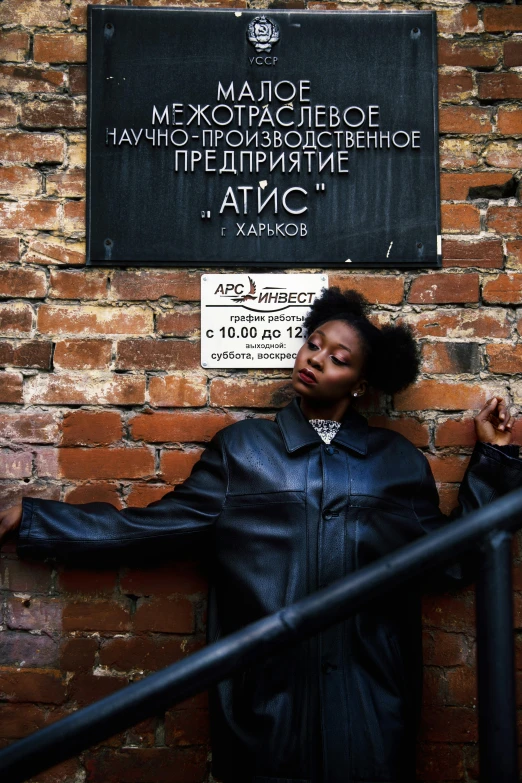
x: 286, y: 507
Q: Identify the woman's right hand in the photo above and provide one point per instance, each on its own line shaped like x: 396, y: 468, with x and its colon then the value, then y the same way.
x: 10, y: 520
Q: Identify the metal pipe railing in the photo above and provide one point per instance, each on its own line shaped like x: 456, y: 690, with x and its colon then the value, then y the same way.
x: 159, y: 691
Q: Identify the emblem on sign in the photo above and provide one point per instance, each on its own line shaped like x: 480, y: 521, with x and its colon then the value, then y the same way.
x: 262, y: 33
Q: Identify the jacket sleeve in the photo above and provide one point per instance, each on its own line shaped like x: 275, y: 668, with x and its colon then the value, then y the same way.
x: 182, y: 517
x: 492, y: 471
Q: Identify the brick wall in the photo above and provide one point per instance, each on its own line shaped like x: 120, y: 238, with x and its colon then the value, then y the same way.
x: 103, y: 397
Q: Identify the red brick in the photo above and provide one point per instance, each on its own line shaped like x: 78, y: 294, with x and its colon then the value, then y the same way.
x: 164, y: 354
x: 456, y: 86
x: 484, y: 253
x: 512, y: 52
x: 77, y: 654
x: 514, y: 253
x: 416, y: 431
x: 462, y: 686
x: 55, y: 252
x: 28, y: 650
x: 459, y: 323
x: 505, y: 358
x: 60, y: 113
x: 31, y: 685
x: 186, y: 727
x: 378, y: 289
x: 445, y: 649
x: 465, y: 119
x: 20, y: 181
x: 20, y: 576
x: 132, y: 764
x: 178, y: 323
x: 89, y: 320
x: 151, y: 284
x: 15, y: 464
x: 86, y: 688
x: 141, y: 495
x: 14, y: 46
x: 28, y: 78
x: 455, y: 724
x: 83, y: 354
x: 8, y: 113
x: 91, y: 428
x: 460, y: 219
x: 449, y: 612
x: 176, y: 465
x: 458, y: 153
x: 504, y: 154
x: 471, y: 52
x: 74, y: 215
x: 173, y: 391
x: 22, y: 282
x: 442, y: 395
x: 442, y: 287
x: 28, y: 427
x: 509, y: 120
x: 11, y: 387
x: 500, y: 20
x: 448, y: 497
x: 26, y: 353
x: 79, y: 10
x: 33, y: 614
x: 179, y: 426
x: 437, y: 762
x: 77, y: 79
x: 63, y: 48
x: 81, y: 389
x: 505, y: 288
x: 105, y: 463
x: 459, y: 20
x: 165, y: 579
x: 499, y: 86
x: 164, y: 615
x: 9, y: 249
x: 33, y: 13
x: 456, y: 432
x: 94, y: 492
x: 19, y: 720
x: 16, y: 319
x: 78, y: 284
x: 44, y: 215
x: 447, y: 469
x: 96, y: 616
x: 252, y: 393
x: 451, y: 358
x: 66, y: 183
x: 505, y: 220
x: 456, y: 187
x: 147, y: 653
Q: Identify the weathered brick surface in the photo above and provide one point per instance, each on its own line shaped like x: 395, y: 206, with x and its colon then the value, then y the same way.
x: 103, y: 397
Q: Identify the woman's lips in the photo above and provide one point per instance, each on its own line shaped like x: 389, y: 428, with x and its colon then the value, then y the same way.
x: 307, y: 377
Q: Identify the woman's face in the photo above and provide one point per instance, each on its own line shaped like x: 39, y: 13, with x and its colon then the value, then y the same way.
x: 329, y: 366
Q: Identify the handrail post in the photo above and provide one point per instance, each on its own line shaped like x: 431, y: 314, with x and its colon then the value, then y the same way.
x: 498, y: 751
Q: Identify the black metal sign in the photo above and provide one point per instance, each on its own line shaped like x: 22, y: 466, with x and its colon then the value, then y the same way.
x: 253, y: 138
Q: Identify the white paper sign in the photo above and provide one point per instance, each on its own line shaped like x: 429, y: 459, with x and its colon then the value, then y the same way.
x: 253, y: 320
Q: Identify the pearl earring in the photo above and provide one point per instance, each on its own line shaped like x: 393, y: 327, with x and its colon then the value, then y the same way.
x: 355, y: 394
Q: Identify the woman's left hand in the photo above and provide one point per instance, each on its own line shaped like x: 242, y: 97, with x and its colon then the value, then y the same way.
x: 494, y: 423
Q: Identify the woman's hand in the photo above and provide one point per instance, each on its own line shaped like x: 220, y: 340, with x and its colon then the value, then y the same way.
x: 10, y: 522
x: 494, y: 423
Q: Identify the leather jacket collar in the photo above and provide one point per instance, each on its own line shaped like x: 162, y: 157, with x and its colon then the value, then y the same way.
x: 297, y: 432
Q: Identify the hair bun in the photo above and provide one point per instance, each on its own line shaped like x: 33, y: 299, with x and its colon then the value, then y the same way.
x: 398, y: 362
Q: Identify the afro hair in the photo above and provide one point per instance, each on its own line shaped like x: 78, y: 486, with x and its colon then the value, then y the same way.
x: 392, y: 360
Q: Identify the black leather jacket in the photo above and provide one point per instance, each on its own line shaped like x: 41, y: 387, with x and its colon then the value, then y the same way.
x: 284, y: 514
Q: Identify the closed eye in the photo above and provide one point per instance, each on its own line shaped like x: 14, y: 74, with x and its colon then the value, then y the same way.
x: 337, y: 361
x: 313, y: 346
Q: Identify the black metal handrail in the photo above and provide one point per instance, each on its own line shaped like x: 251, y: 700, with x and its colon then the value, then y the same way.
x: 490, y: 527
